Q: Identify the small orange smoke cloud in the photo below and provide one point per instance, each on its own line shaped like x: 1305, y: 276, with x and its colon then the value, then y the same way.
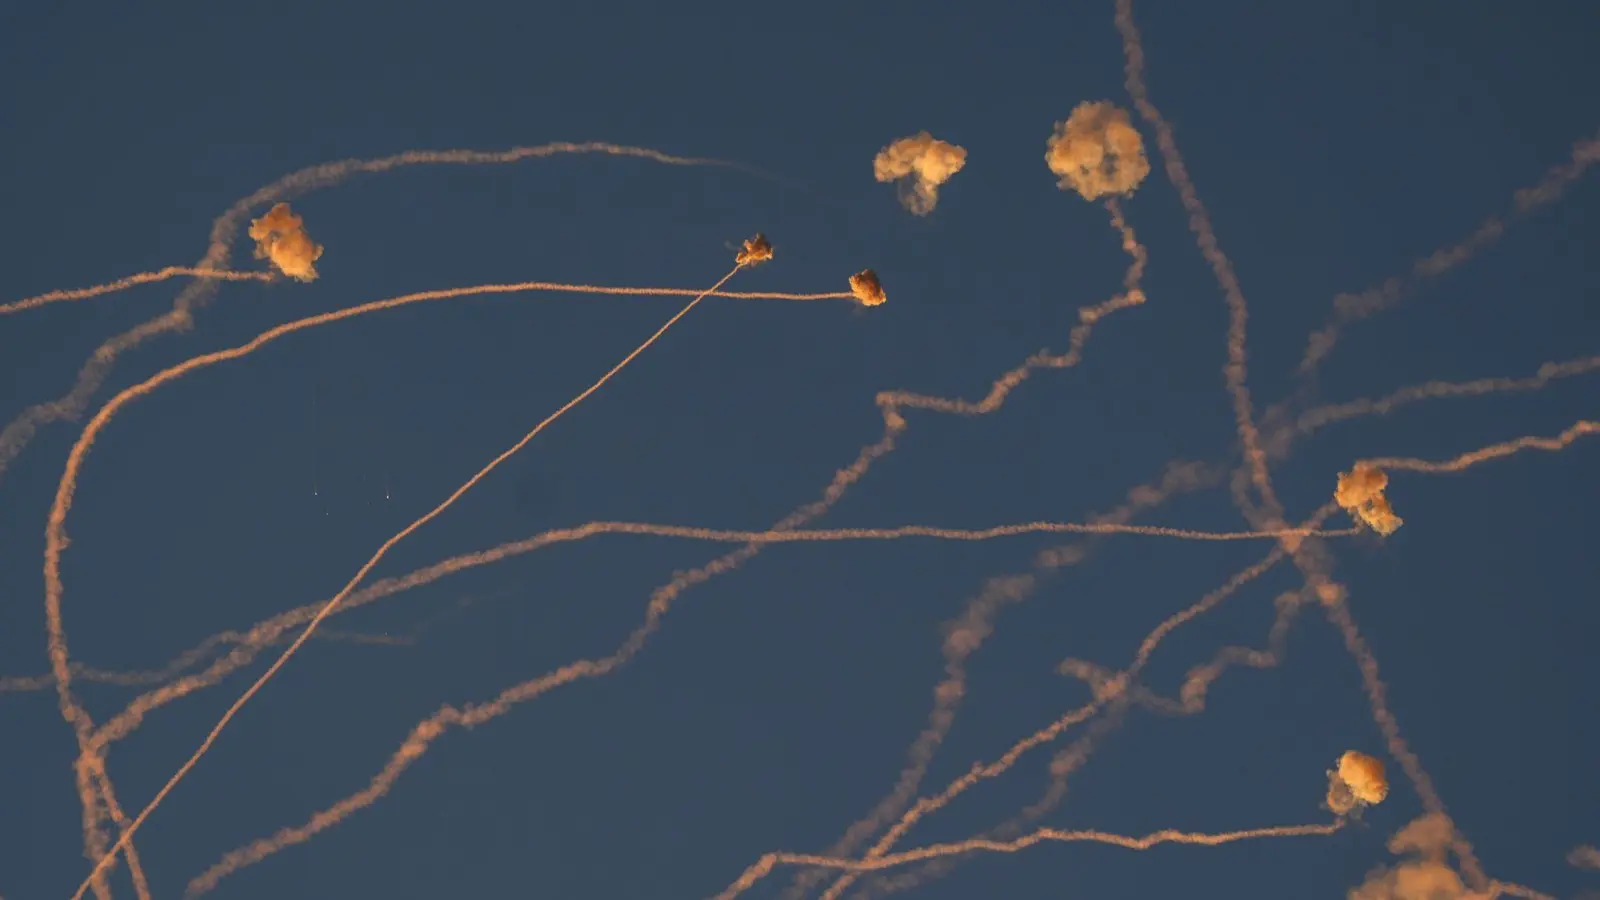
x: 1360, y: 492
x: 1358, y: 781
x: 867, y: 288
x: 1097, y: 151
x: 756, y: 250
x: 920, y: 163
x: 280, y: 236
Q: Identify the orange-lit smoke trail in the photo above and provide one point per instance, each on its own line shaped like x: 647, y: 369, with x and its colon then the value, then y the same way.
x: 16, y: 435
x: 890, y: 403
x: 1168, y: 836
x: 1106, y: 692
x: 893, y: 402
x: 1191, y: 699
x: 1507, y: 889
x: 1130, y: 246
x: 248, y: 644
x: 100, y: 803
x: 94, y: 781
x: 17, y: 684
x: 1486, y: 454
x: 1313, y: 419
x: 1074, y: 755
x: 20, y: 684
x: 964, y: 636
x: 1348, y: 308
x: 1200, y: 224
x: 122, y: 284
x: 57, y: 532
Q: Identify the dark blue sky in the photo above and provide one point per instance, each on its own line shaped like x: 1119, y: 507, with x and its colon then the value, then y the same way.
x: 1333, y: 144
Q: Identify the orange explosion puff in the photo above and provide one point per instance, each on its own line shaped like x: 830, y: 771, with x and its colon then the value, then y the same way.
x: 1097, y: 152
x: 867, y: 288
x: 756, y: 250
x: 1360, y: 492
x: 921, y: 163
x: 280, y: 236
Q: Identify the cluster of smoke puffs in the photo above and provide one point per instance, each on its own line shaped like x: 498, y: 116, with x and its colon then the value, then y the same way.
x: 1096, y: 152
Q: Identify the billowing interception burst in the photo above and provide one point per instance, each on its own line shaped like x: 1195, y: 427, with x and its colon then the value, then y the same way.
x: 1359, y: 781
x: 1097, y: 151
x: 280, y: 236
x: 1360, y: 492
x: 865, y: 285
x: 920, y: 163
x: 756, y: 250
